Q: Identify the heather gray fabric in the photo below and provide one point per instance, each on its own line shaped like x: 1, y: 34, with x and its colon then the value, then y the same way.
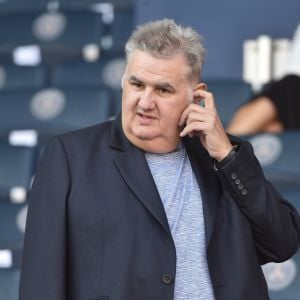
x: 182, y: 201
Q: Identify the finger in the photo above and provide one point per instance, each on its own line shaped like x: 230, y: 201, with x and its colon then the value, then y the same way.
x: 208, y: 99
x: 192, y: 128
x: 189, y: 109
x: 183, y: 116
x: 198, y: 117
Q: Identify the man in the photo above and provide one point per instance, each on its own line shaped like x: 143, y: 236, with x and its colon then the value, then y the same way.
x: 159, y: 203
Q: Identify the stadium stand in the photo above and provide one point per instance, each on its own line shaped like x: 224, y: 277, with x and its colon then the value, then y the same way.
x: 283, y: 279
x: 13, y: 77
x: 9, y: 283
x: 17, y: 167
x: 229, y: 94
x: 53, y: 111
x: 11, y: 6
x: 12, y: 231
x: 106, y: 72
x: 76, y: 83
x: 60, y: 66
x: 278, y: 154
x: 51, y: 29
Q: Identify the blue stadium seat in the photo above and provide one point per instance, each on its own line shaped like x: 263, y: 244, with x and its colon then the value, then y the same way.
x: 284, y: 279
x: 14, y: 77
x: 55, y: 29
x: 11, y: 6
x: 121, y: 28
x: 9, y: 284
x: 17, y: 165
x: 107, y: 71
x: 53, y: 111
x: 278, y: 154
x: 229, y: 95
x: 86, y: 3
x: 13, y: 219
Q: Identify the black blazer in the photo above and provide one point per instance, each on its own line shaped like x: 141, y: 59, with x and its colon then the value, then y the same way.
x: 96, y: 227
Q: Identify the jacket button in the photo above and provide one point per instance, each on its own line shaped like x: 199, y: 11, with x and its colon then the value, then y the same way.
x: 237, y: 181
x: 240, y: 187
x: 167, y: 278
x: 233, y: 176
x: 244, y: 192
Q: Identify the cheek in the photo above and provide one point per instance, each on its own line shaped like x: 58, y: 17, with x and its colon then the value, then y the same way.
x: 129, y: 101
x: 176, y: 109
x: 171, y: 115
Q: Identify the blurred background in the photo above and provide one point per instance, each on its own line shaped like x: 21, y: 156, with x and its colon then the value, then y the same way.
x: 61, y: 64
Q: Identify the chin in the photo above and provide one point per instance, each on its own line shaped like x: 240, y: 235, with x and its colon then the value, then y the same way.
x: 145, y: 134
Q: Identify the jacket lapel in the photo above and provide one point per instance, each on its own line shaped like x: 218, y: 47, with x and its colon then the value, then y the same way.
x: 134, y: 170
x: 208, y: 182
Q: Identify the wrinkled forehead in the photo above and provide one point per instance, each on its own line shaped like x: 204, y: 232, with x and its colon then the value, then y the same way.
x: 175, y: 66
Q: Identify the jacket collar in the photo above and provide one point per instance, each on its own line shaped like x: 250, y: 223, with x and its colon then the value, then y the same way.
x: 135, y: 171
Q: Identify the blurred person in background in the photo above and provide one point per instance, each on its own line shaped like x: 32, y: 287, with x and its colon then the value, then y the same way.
x: 159, y: 203
x: 277, y: 107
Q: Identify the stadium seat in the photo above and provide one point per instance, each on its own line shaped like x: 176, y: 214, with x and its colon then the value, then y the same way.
x: 284, y: 279
x: 229, y: 95
x: 50, y: 29
x: 107, y: 71
x: 11, y: 6
x: 121, y: 28
x: 17, y: 165
x: 14, y: 77
x: 53, y: 111
x: 13, y: 218
x: 9, y: 284
x: 88, y: 3
x: 278, y: 154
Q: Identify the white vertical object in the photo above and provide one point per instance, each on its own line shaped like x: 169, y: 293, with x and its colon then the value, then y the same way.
x: 264, y: 44
x: 279, y: 58
x: 293, y: 62
x: 250, y: 61
x: 257, y: 61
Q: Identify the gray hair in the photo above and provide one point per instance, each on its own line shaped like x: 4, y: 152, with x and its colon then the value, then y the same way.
x: 164, y: 39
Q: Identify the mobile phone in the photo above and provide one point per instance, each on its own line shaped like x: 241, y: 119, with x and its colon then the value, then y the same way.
x: 202, y: 102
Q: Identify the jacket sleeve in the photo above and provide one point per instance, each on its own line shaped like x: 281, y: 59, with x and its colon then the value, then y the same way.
x: 43, y: 274
x: 274, y: 221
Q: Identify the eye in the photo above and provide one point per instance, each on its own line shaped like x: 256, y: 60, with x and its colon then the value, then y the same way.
x: 163, y: 91
x: 137, y: 85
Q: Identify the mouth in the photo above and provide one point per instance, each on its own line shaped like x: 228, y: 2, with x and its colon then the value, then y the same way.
x: 145, y: 118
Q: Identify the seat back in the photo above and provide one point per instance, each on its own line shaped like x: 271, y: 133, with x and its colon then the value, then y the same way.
x: 54, y: 111
x: 17, y: 165
x: 229, y: 95
x: 14, y: 77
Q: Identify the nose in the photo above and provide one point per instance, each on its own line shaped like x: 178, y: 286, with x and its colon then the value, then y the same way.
x: 146, y: 101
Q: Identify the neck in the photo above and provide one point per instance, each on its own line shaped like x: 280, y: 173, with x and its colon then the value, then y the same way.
x: 158, y: 145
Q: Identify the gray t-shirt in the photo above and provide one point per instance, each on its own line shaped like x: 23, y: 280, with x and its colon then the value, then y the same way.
x: 181, y: 198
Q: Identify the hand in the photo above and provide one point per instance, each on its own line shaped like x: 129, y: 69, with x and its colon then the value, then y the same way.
x: 205, y: 123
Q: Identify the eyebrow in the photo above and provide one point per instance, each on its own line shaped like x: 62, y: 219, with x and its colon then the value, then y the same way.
x: 134, y: 79
x: 166, y: 86
x: 160, y: 85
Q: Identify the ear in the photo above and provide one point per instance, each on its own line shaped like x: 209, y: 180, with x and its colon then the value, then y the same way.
x: 200, y: 86
x: 122, y: 81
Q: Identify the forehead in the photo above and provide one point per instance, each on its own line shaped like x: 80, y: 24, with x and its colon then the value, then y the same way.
x: 146, y: 67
